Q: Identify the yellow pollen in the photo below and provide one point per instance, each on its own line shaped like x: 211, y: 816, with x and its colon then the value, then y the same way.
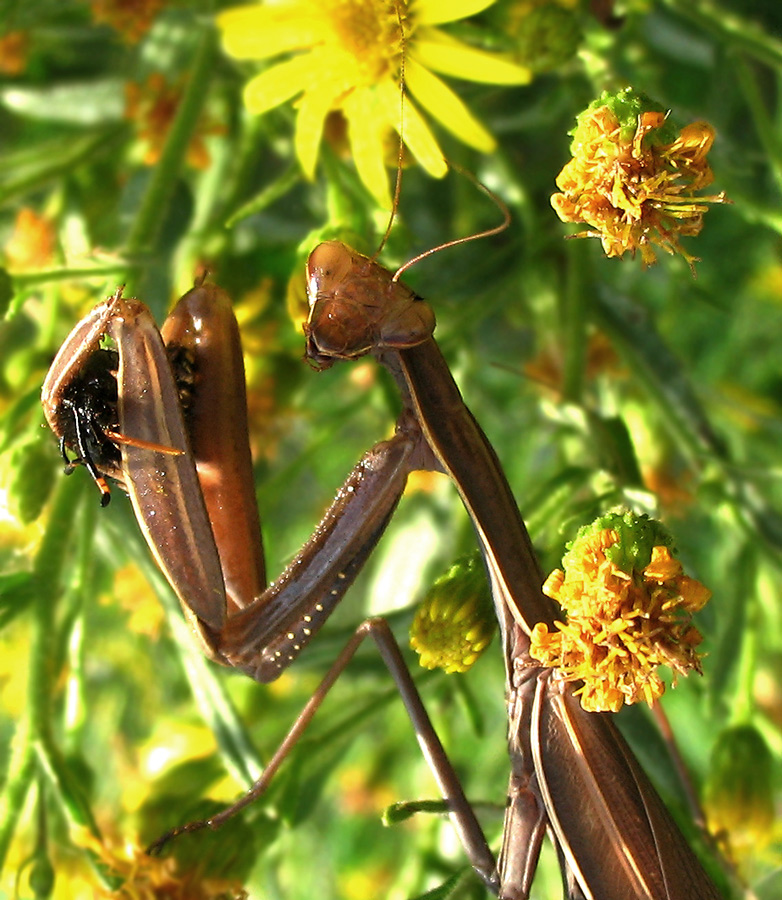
x: 370, y: 32
x: 620, y: 626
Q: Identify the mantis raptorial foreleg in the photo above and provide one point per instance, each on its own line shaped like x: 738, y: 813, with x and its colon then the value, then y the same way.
x: 191, y: 482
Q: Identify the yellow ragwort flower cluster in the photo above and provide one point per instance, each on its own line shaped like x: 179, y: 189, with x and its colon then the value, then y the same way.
x: 152, y: 107
x: 146, y: 877
x: 634, y: 185
x: 621, y: 625
x: 33, y: 241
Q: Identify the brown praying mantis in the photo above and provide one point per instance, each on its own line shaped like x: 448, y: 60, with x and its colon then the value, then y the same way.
x: 571, y: 772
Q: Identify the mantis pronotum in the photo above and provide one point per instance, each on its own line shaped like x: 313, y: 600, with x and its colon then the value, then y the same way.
x: 571, y: 771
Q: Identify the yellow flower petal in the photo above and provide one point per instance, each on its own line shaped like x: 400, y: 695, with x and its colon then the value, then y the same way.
x: 315, y: 105
x: 435, y: 50
x: 446, y: 107
x: 434, y: 12
x: 278, y: 84
x: 422, y: 143
x: 313, y: 109
x: 260, y: 32
x: 416, y: 133
x: 366, y: 129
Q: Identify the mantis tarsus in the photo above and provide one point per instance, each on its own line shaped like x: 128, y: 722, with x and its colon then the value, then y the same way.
x: 571, y: 772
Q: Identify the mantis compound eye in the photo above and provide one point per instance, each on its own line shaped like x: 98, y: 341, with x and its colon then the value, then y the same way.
x: 337, y: 329
x: 328, y: 266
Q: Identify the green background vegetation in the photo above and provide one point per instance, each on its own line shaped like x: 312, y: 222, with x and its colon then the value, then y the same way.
x: 684, y: 396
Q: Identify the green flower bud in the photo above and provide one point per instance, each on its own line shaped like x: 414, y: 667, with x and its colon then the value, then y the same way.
x: 455, y: 621
x: 547, y: 37
x: 42, y: 877
x: 29, y: 476
x: 739, y: 798
x: 638, y: 536
x: 627, y: 105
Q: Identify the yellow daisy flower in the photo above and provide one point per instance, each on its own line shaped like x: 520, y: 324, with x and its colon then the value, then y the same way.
x: 629, y: 609
x: 347, y: 56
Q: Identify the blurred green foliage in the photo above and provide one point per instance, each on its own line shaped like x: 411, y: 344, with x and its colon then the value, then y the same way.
x: 599, y: 383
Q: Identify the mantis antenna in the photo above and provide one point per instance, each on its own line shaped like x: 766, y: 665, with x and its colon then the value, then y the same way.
x: 398, y: 182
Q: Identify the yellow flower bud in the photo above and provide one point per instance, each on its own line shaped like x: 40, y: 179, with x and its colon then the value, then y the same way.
x: 28, y: 479
x: 739, y: 800
x: 455, y: 622
x: 547, y: 37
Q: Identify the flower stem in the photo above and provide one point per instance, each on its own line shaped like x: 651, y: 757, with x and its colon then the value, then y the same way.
x: 153, y: 209
x: 574, y: 315
x: 737, y: 32
x: 270, y: 194
x: 54, y: 164
x: 48, y: 569
x: 75, y: 705
x: 21, y: 771
x: 744, y: 704
x: 25, y: 280
x: 217, y: 709
x: 763, y: 125
x: 34, y: 734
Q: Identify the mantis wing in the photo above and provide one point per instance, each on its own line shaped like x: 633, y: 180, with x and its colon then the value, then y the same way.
x: 611, y: 827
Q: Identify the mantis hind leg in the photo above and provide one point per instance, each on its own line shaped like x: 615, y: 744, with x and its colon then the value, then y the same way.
x: 459, y: 809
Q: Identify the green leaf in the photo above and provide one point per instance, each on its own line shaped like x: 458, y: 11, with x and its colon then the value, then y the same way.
x: 17, y: 590
x: 85, y: 103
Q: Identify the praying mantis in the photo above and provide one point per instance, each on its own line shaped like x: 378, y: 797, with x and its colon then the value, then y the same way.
x: 571, y: 772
